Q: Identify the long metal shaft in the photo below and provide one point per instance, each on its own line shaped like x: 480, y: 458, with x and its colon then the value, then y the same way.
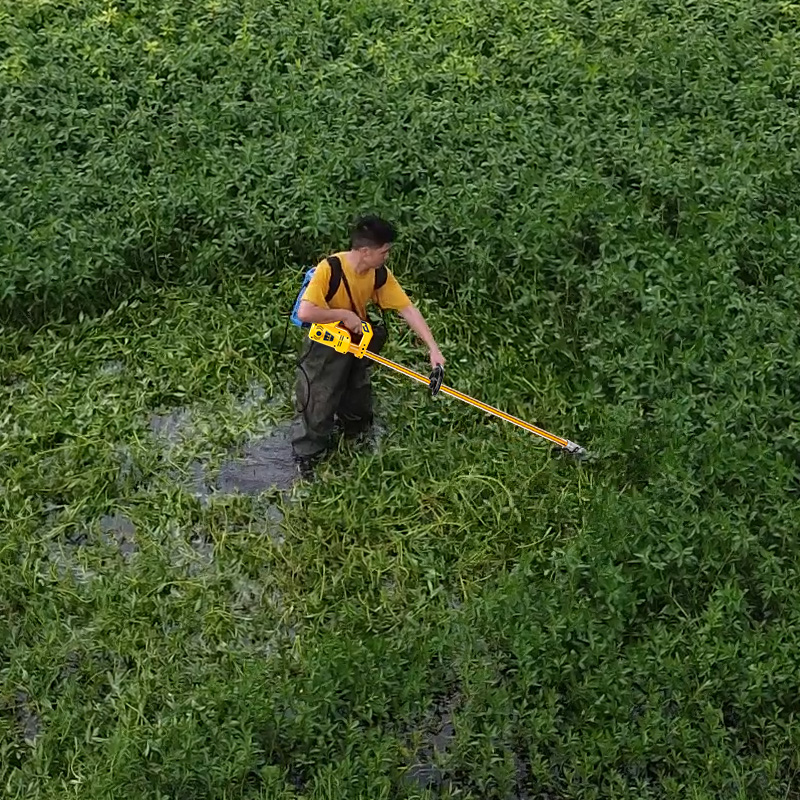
x: 565, y: 443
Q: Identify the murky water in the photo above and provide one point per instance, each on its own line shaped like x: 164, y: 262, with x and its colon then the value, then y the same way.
x: 266, y: 463
x: 247, y: 595
x: 64, y: 553
x: 65, y: 558
x: 168, y: 426
x: 199, y: 486
x: 193, y: 553
x: 440, y: 733
x: 522, y: 771
x: 256, y: 395
x: 129, y: 472
x: 203, y: 547
x: 71, y: 665
x: 112, y: 368
x: 119, y: 528
x: 27, y: 719
x: 426, y: 773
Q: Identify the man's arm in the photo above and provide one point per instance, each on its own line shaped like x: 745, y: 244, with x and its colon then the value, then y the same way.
x: 416, y: 322
x: 308, y: 312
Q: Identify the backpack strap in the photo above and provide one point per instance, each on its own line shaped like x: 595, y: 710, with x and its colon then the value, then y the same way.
x: 337, y: 276
x: 335, y: 279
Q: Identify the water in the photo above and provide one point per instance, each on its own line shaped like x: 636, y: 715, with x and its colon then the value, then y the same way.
x: 423, y: 772
x: 27, y: 719
x: 123, y: 532
x: 168, y: 426
x: 267, y: 463
x: 64, y: 555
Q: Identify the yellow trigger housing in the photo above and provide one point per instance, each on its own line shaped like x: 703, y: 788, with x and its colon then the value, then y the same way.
x: 334, y: 335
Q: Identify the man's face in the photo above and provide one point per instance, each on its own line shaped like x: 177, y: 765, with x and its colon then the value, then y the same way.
x: 375, y: 257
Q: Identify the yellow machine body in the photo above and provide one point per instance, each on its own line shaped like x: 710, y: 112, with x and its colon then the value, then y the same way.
x: 338, y: 337
x: 330, y: 334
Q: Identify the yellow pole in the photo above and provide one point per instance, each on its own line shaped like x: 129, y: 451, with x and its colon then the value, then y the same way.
x: 571, y: 446
x: 339, y: 338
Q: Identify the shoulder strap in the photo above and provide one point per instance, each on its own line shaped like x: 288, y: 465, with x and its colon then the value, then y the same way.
x: 337, y: 276
x: 335, y: 279
x: 380, y: 277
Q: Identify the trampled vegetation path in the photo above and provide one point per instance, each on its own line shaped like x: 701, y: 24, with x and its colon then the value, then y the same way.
x: 599, y: 215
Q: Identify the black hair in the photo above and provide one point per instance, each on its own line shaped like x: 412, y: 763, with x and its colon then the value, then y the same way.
x: 371, y: 231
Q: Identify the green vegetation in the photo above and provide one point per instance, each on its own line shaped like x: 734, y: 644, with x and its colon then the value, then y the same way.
x: 599, y: 209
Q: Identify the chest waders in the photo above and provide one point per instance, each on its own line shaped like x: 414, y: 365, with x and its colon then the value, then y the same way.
x: 330, y: 386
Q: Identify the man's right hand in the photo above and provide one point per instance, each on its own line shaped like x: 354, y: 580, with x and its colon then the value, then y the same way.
x: 352, y: 322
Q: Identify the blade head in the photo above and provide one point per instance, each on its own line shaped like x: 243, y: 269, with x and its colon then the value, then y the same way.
x: 573, y: 452
x: 436, y: 378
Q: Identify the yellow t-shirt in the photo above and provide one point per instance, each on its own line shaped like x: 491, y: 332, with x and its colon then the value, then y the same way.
x: 362, y: 287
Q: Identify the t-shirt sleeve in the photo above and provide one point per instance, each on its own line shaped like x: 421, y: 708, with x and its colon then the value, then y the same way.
x: 391, y: 294
x: 318, y: 285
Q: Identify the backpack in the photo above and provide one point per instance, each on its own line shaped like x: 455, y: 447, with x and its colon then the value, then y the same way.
x: 337, y: 275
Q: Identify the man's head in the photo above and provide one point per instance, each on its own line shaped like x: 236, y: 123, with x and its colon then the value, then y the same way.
x: 371, y: 239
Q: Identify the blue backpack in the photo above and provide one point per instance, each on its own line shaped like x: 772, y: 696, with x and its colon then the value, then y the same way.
x: 337, y: 275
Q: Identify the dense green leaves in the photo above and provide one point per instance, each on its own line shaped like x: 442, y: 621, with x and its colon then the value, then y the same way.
x: 598, y: 208
x: 193, y: 141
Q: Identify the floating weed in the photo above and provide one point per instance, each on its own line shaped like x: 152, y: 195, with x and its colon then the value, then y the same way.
x: 66, y: 559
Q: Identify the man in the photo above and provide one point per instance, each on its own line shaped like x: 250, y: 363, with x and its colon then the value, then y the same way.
x: 332, y: 384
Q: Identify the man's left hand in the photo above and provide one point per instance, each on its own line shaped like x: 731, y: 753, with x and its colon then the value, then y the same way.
x: 436, y: 357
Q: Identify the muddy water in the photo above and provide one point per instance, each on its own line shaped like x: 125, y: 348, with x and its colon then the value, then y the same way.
x: 30, y: 725
x: 266, y: 464
x: 423, y: 772
x: 64, y: 555
x: 170, y: 425
x: 119, y: 528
